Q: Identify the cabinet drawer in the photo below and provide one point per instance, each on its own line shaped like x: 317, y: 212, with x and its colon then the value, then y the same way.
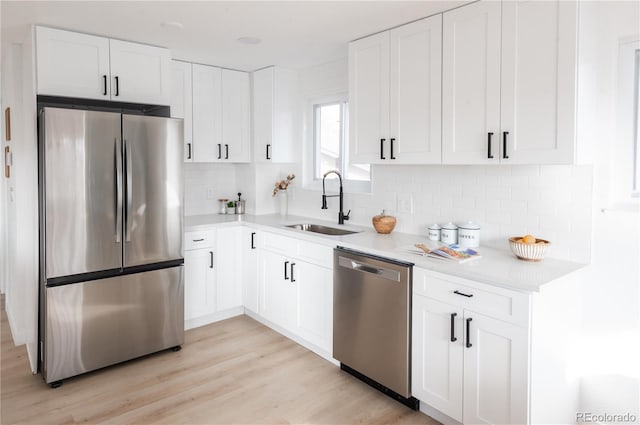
x: 321, y: 255
x: 496, y: 302
x: 280, y: 244
x: 199, y: 239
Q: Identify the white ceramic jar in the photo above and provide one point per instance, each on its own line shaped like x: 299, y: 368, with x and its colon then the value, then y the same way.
x: 449, y: 233
x: 433, y: 232
x: 469, y: 235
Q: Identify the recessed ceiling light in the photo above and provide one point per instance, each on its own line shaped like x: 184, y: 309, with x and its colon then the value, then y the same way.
x: 249, y: 40
x: 172, y: 24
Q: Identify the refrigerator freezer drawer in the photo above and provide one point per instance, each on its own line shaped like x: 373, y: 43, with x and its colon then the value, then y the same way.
x: 95, y: 324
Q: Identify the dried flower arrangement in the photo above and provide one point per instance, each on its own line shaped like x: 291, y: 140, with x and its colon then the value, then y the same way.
x: 283, y: 184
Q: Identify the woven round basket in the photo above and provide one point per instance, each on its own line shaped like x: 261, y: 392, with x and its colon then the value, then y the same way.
x: 528, y: 251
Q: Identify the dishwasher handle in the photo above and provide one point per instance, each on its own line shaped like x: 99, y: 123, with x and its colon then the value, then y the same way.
x: 352, y: 264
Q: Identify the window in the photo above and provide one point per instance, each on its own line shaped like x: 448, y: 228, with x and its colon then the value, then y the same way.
x: 626, y: 154
x: 636, y: 123
x: 331, y: 143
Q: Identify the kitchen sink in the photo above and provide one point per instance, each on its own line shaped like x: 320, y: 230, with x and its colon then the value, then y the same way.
x: 317, y: 228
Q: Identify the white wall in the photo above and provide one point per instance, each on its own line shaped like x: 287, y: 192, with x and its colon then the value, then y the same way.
x: 550, y: 202
x: 21, y: 197
x: 610, y: 369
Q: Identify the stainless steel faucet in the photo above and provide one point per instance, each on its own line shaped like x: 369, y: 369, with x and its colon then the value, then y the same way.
x: 341, y: 215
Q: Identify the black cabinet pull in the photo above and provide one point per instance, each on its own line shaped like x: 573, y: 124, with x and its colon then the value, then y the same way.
x: 382, y: 148
x: 104, y: 80
x: 453, y: 330
x: 188, y: 150
x: 226, y: 151
x: 198, y: 240
x: 268, y: 156
x: 392, y: 140
x: 292, y: 279
x: 463, y: 294
x: 489, y: 136
x: 504, y: 144
x: 117, y: 86
x: 219, y: 151
x: 286, y: 277
x: 211, y: 259
x: 469, y: 345
x: 253, y: 235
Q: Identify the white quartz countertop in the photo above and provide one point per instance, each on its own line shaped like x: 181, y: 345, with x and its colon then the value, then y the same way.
x: 496, y: 267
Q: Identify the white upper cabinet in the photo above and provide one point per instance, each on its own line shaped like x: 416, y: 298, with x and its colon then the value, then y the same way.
x: 471, y: 84
x: 415, y: 99
x: 72, y: 64
x: 140, y: 73
x: 207, y: 113
x: 215, y: 104
x: 369, y: 99
x: 182, y: 102
x: 538, y: 81
x: 274, y: 105
x: 395, y: 95
x: 236, y: 121
x: 78, y: 65
x: 509, y: 82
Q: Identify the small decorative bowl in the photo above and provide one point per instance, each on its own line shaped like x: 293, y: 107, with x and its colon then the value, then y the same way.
x: 384, y: 223
x: 528, y: 251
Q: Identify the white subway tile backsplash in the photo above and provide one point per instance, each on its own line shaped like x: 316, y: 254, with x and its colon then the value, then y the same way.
x: 550, y: 202
x: 498, y: 192
x: 198, y: 178
x: 516, y: 181
x: 467, y: 202
x: 525, y: 170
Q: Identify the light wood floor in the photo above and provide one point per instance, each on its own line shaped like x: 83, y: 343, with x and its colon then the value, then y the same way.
x: 232, y: 372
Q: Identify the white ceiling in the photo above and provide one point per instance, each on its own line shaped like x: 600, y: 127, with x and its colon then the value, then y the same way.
x: 295, y: 34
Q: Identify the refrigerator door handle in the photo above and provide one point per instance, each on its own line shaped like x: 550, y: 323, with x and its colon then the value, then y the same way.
x: 118, y: 163
x: 127, y: 210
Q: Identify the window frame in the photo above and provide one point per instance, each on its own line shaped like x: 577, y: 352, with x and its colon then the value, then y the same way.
x: 344, y: 126
x: 311, y: 179
x: 635, y: 189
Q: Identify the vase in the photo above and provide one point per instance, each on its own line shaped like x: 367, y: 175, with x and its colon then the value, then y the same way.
x: 284, y: 202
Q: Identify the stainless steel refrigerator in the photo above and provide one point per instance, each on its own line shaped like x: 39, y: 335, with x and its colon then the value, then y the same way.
x: 111, y: 261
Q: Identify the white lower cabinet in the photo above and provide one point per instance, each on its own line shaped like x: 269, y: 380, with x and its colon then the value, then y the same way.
x: 314, y: 304
x: 296, y: 294
x: 437, y: 352
x: 250, y: 268
x: 277, y: 291
x: 469, y: 366
x: 199, y: 275
x: 212, y: 275
x: 200, y: 283
x: 495, y: 371
x: 229, y: 265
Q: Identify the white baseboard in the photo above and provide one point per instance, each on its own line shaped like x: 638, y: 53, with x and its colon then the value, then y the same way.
x: 306, y: 344
x: 212, y: 318
x: 437, y: 415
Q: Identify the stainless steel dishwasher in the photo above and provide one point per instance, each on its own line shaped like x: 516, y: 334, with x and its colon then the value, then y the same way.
x: 372, y: 321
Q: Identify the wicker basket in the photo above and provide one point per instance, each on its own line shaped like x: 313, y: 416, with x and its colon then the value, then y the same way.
x: 528, y: 251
